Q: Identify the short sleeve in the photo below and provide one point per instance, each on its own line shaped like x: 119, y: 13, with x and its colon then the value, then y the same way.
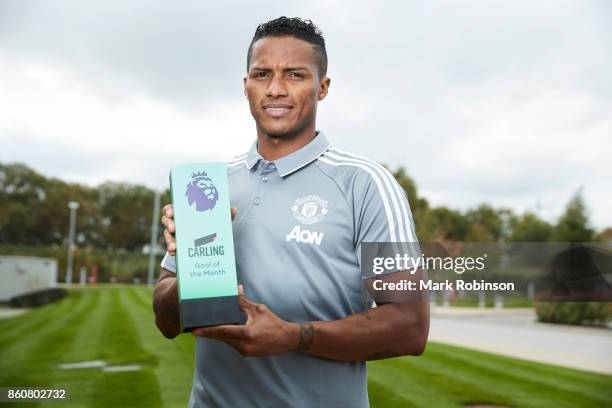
x: 169, y: 263
x: 384, y: 214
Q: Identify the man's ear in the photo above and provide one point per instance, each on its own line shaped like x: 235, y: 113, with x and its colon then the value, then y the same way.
x: 244, y: 80
x: 324, y: 88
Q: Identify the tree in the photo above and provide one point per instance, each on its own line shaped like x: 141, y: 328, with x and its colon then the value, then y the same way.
x: 449, y: 224
x: 125, y: 211
x: 418, y: 206
x: 33, y: 211
x: 33, y: 208
x: 573, y: 223
x: 487, y: 224
x: 605, y: 235
x: 530, y: 228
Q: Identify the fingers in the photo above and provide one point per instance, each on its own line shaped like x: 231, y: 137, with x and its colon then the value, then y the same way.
x: 237, y: 344
x: 167, y: 218
x: 167, y: 221
x: 233, y: 211
x: 245, y: 304
x: 170, y: 242
x: 168, y: 211
x: 241, y: 346
x: 223, y: 332
x: 244, y: 346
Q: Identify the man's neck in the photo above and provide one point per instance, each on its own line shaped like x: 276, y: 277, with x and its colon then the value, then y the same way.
x: 273, y: 148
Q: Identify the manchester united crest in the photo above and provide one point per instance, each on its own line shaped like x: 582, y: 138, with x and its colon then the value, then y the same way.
x: 309, y: 209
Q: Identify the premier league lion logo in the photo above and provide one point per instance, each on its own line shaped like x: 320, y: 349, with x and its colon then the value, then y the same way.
x: 202, y: 191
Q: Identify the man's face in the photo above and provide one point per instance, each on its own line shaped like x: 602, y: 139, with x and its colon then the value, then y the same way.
x: 283, y: 85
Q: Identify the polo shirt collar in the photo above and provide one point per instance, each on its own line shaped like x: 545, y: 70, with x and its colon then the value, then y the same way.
x: 293, y: 161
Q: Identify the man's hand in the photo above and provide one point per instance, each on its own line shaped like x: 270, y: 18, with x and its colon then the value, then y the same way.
x: 167, y: 221
x: 390, y: 330
x: 165, y: 294
x: 263, y: 334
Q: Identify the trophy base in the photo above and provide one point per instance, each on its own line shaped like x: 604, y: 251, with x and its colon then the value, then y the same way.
x: 213, y: 311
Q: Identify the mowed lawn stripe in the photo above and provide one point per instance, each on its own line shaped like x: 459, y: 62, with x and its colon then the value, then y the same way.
x: 449, y: 384
x: 26, y: 363
x: 85, y: 346
x: 457, y: 370
x: 31, y: 359
x: 117, y: 324
x: 553, y: 375
x: 464, y: 386
x: 122, y: 346
x: 552, y: 383
x: 174, y: 370
x: 24, y: 324
x: 422, y: 386
x: 87, y: 341
x: 380, y: 395
x: 185, y: 342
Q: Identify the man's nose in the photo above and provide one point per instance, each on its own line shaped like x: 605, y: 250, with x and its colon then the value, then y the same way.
x: 276, y: 87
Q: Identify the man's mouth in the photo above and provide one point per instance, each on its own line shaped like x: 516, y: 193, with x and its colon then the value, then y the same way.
x: 277, y: 111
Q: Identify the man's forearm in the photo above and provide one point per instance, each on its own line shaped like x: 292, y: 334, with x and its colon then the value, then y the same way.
x: 166, y: 306
x: 391, y: 330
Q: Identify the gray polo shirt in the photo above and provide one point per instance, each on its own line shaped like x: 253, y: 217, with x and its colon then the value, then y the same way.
x: 300, y: 222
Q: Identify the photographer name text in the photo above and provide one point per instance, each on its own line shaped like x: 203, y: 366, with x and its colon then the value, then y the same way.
x: 475, y: 285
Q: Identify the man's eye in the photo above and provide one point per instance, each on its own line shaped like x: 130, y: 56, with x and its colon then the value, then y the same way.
x: 296, y: 75
x: 261, y: 74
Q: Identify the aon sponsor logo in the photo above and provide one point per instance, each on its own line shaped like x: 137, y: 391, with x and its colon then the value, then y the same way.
x: 305, y: 236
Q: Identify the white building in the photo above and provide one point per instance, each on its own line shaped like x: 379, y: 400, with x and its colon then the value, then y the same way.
x: 26, y: 274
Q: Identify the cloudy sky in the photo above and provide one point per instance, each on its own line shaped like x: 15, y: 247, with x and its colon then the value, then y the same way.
x: 504, y: 102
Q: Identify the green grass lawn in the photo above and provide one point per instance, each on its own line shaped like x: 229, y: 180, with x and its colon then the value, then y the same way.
x: 115, y: 324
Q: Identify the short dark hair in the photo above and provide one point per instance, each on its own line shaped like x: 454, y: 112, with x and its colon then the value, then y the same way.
x: 297, y: 28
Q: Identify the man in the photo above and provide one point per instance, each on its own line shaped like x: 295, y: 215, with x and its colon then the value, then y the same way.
x: 301, y: 211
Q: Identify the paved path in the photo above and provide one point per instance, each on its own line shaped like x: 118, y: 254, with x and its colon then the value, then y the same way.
x: 6, y: 312
x: 516, y: 333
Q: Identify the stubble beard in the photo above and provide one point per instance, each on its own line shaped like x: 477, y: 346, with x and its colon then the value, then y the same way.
x: 286, y: 134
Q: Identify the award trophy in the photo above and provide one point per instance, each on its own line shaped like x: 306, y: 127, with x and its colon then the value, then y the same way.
x: 205, y: 262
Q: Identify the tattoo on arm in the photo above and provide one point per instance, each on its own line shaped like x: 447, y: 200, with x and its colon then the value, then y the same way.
x: 383, y: 354
x: 306, y: 336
